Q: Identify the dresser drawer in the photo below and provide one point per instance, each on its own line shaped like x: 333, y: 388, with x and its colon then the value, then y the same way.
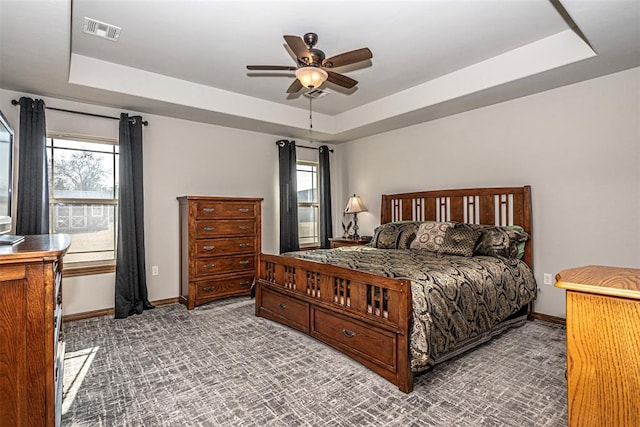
x: 215, y: 247
x: 57, y: 293
x: 374, y: 345
x: 57, y: 326
x: 206, y: 210
x: 223, y: 287
x: 283, y: 309
x: 222, y: 228
x: 58, y: 385
x: 225, y: 264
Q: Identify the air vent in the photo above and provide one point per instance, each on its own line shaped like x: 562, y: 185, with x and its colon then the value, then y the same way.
x: 317, y: 93
x: 101, y: 29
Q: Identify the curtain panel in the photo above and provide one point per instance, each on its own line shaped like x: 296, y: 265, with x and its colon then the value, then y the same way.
x: 131, y: 284
x: 326, y: 220
x: 288, y: 196
x: 32, y: 209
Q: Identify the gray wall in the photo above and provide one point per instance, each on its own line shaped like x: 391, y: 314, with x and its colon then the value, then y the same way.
x: 577, y: 146
x: 180, y: 158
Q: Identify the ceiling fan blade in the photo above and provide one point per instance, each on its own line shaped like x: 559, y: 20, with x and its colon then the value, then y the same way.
x: 295, y: 86
x: 348, y: 58
x: 299, y: 48
x: 341, y: 80
x: 270, y: 67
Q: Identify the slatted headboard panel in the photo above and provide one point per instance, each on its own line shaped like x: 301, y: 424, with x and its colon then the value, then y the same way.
x: 494, y: 206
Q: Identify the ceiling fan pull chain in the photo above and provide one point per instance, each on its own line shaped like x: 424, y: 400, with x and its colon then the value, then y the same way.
x: 310, y: 119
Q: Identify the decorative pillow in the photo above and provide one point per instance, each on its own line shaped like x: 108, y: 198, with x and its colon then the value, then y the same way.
x: 459, y: 240
x: 430, y: 235
x: 394, y: 235
x: 407, y: 235
x: 500, y: 241
x: 521, y: 244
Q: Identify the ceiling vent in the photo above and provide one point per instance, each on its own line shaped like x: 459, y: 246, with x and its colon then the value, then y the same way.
x: 317, y: 93
x: 101, y: 29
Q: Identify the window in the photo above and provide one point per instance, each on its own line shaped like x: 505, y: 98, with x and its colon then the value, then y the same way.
x: 308, y: 204
x: 83, y: 196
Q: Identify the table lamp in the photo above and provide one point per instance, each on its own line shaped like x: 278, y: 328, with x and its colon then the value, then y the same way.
x: 355, y: 205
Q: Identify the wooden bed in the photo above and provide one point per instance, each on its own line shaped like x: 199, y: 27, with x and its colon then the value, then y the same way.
x: 365, y: 316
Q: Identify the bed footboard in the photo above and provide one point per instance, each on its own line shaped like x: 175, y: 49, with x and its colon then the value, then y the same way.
x: 364, y: 316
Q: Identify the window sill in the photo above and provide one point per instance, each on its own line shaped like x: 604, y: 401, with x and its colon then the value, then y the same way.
x: 87, y: 269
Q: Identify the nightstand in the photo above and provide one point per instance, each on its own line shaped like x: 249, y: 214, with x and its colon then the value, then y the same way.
x: 337, y: 242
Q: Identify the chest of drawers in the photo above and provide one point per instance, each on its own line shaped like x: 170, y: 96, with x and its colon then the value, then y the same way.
x: 31, y: 335
x: 220, y: 239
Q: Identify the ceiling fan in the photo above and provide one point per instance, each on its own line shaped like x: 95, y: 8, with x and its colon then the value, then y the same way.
x: 313, y: 68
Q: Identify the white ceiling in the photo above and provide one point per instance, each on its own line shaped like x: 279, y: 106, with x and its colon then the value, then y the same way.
x: 430, y: 58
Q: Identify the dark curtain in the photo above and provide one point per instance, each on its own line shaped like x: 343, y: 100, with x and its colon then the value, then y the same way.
x: 32, y: 210
x: 131, y: 280
x: 326, y: 219
x: 288, y: 196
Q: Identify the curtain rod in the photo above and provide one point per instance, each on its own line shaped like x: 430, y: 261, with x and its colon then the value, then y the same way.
x: 303, y: 146
x: 144, y: 122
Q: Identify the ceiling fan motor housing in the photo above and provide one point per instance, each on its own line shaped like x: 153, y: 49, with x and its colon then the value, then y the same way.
x: 317, y: 56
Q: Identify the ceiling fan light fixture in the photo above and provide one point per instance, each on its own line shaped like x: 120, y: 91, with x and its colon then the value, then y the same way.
x: 311, y: 77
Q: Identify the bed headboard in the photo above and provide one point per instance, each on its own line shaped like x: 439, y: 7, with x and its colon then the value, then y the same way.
x: 494, y: 206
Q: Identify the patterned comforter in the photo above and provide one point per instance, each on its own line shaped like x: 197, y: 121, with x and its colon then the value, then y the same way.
x: 456, y: 299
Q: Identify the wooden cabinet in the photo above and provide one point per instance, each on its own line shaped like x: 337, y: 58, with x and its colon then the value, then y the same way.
x: 603, y: 341
x: 219, y: 247
x: 31, y: 336
x: 337, y: 242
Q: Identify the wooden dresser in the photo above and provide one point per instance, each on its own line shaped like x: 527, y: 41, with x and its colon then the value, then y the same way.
x: 603, y: 345
x: 31, y: 338
x: 220, y: 240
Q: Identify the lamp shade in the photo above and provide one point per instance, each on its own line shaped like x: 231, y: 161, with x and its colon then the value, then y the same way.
x: 311, y: 77
x: 355, y: 205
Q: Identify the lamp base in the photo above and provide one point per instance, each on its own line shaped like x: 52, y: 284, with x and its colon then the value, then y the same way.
x: 355, y: 235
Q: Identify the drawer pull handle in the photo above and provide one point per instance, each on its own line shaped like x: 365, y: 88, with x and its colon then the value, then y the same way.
x: 209, y: 248
x: 208, y: 266
x: 244, y: 227
x: 244, y: 245
x: 243, y: 210
x: 282, y: 306
x: 209, y: 288
x: 209, y: 228
x: 209, y: 210
x: 245, y: 283
x: 348, y: 333
x: 245, y: 262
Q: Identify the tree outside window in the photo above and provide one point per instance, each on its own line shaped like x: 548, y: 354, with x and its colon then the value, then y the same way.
x: 83, y: 196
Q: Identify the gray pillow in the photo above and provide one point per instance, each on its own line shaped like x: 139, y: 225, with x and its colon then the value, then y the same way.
x: 500, y: 241
x: 459, y: 241
x: 395, y: 235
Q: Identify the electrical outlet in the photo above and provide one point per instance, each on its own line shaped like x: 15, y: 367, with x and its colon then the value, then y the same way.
x: 548, y: 279
x: 154, y: 270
